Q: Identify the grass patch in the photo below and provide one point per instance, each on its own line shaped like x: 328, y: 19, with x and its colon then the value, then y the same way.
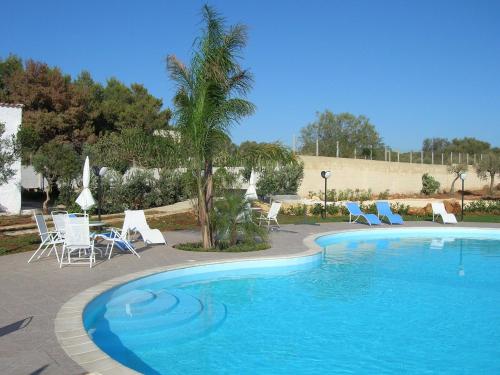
x: 18, y: 244
x: 174, y: 222
x: 239, y: 248
x: 481, y: 218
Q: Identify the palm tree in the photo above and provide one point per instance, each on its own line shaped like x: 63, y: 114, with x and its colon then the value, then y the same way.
x: 209, y: 102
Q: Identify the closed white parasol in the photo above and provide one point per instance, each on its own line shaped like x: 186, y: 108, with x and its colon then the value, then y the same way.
x: 85, y: 200
x: 251, y: 193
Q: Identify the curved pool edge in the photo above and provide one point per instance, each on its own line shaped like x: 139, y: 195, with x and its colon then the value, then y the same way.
x: 69, y: 327
x: 75, y: 342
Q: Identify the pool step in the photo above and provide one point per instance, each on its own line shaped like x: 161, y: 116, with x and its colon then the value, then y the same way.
x: 171, y: 316
x: 135, y: 305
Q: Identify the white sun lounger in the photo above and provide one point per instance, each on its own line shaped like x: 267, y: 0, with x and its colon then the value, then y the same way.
x: 438, y: 209
x: 135, y: 221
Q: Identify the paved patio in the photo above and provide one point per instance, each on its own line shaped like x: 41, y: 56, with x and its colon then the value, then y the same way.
x: 32, y: 294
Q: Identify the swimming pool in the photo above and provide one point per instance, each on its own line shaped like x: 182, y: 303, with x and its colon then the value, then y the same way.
x: 375, y: 301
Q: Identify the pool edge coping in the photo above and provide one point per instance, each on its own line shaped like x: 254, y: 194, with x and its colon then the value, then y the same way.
x: 78, y: 346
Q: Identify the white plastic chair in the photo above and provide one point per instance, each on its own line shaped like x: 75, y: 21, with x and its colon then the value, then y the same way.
x: 272, y: 215
x: 135, y: 221
x: 77, y: 238
x: 59, y: 220
x: 438, y: 209
x: 50, y: 239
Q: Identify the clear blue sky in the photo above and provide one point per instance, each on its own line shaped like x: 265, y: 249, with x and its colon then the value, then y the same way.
x: 416, y: 68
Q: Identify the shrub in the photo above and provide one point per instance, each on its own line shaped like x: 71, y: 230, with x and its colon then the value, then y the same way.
x: 368, y: 208
x: 400, y: 208
x: 297, y: 210
x: 232, y: 224
x: 483, y: 206
x: 429, y: 184
x: 140, y: 190
x: 317, y: 209
x: 332, y: 209
x: 282, y: 180
x: 384, y: 195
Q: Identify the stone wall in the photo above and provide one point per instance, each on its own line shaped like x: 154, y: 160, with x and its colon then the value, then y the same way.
x: 377, y: 175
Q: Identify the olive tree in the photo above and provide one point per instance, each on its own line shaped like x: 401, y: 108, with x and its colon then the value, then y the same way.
x: 488, y: 167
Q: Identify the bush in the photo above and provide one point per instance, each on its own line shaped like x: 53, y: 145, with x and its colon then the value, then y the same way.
x: 140, y: 190
x: 384, y: 195
x: 400, y: 208
x: 317, y: 209
x: 483, y: 206
x: 282, y: 180
x: 232, y: 223
x: 332, y: 209
x: 348, y: 195
x: 296, y: 210
x: 429, y: 184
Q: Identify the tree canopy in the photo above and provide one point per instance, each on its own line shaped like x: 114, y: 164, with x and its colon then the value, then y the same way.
x: 349, y: 130
x: 488, y: 167
x: 467, y: 145
x: 8, y: 155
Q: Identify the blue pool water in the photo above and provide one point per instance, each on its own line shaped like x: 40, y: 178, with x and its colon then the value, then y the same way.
x: 392, y: 302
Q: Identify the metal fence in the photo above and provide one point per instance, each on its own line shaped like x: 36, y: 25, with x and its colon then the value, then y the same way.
x: 390, y: 155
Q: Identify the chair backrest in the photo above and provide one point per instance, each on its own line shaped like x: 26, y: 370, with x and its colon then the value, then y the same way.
x: 42, y: 226
x: 77, y: 214
x: 353, y: 208
x: 383, y: 208
x: 77, y: 232
x: 274, y: 210
x: 438, y: 208
x: 135, y: 220
x: 59, y: 220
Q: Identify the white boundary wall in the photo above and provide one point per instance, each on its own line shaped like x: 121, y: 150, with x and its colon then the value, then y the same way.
x: 404, y: 178
x: 10, y: 193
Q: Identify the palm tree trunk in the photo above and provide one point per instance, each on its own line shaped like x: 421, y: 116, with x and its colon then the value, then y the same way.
x: 205, y: 204
x: 204, y: 221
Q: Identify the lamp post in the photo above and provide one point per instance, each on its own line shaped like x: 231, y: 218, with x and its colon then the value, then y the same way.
x: 463, y: 175
x: 325, y: 175
x: 99, y: 172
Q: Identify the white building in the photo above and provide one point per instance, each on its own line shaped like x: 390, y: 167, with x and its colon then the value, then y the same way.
x: 10, y: 193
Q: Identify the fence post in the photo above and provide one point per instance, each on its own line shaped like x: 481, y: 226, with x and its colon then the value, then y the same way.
x: 442, y: 159
x: 398, y: 156
x: 411, y: 157
x: 481, y: 156
x: 451, y: 157
x: 354, y: 152
x: 317, y: 146
x: 389, y: 152
x: 422, y: 157
x: 371, y: 152
x: 337, y: 148
x: 474, y: 158
x: 467, y: 158
x: 459, y: 158
x: 432, y: 157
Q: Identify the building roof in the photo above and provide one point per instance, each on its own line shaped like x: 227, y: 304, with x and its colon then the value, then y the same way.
x: 12, y: 105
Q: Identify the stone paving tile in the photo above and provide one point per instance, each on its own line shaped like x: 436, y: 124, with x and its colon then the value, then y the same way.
x: 38, y: 291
